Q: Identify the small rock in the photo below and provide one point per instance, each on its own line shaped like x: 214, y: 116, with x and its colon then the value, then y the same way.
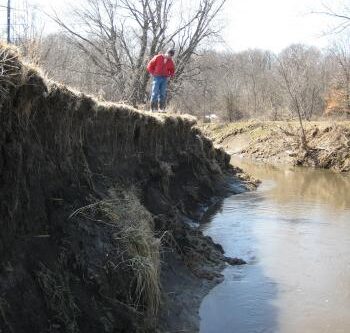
x: 235, y: 261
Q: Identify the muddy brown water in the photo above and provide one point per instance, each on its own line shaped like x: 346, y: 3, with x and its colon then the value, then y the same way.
x: 294, y: 232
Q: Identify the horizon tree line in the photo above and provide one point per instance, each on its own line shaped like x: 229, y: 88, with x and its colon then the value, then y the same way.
x: 104, y: 47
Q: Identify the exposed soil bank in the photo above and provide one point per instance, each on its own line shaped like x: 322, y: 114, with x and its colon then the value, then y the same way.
x: 95, y: 209
x: 279, y: 142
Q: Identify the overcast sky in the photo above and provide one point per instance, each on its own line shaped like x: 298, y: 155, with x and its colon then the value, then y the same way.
x: 274, y: 24
x: 265, y: 24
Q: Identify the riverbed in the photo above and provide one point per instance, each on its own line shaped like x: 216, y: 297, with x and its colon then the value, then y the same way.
x: 294, y: 233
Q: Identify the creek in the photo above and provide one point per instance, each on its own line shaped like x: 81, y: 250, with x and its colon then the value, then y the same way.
x: 294, y: 233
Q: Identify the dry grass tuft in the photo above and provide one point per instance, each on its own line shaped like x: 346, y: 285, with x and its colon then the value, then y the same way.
x: 10, y: 68
x: 133, y: 234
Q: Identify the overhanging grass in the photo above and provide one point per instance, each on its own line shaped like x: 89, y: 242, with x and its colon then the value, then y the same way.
x: 133, y: 234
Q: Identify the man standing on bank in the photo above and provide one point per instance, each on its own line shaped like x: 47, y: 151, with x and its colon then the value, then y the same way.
x: 161, y: 67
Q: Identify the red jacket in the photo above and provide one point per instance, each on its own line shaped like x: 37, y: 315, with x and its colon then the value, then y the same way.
x: 157, y: 67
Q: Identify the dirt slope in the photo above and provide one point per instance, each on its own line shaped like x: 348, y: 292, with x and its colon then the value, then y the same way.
x: 279, y: 142
x: 95, y: 205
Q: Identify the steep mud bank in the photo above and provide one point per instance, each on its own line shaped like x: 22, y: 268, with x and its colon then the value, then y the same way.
x: 97, y: 203
x: 328, y: 143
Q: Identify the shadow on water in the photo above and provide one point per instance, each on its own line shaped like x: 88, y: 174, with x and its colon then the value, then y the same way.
x: 212, y: 211
x: 230, y: 307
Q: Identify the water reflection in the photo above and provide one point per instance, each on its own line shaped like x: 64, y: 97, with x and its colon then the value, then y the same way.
x: 320, y: 186
x: 238, y: 313
x: 295, y: 234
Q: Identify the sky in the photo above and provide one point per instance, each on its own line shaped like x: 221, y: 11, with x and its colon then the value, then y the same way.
x: 264, y: 24
x: 274, y: 24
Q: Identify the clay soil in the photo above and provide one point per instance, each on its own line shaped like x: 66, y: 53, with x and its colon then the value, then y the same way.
x: 328, y: 142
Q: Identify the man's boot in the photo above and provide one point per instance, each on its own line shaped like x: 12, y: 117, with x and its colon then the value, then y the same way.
x: 154, y: 106
x: 162, y: 106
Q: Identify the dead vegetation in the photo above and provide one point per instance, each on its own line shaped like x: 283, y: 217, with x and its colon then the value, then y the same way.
x: 10, y: 69
x: 279, y: 142
x: 337, y: 103
x: 133, y: 233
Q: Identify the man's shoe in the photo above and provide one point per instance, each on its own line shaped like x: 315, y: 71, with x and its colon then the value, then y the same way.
x: 154, y: 106
x: 162, y: 107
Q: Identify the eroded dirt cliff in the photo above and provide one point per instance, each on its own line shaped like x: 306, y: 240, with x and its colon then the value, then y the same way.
x: 97, y: 205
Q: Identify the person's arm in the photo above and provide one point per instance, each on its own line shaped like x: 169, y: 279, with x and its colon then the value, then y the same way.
x: 151, y: 65
x: 172, y: 69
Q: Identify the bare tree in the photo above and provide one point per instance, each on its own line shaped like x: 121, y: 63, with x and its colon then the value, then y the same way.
x: 341, y: 14
x: 119, y: 37
x: 341, y: 54
x: 249, y: 84
x: 290, y: 81
x: 27, y: 30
